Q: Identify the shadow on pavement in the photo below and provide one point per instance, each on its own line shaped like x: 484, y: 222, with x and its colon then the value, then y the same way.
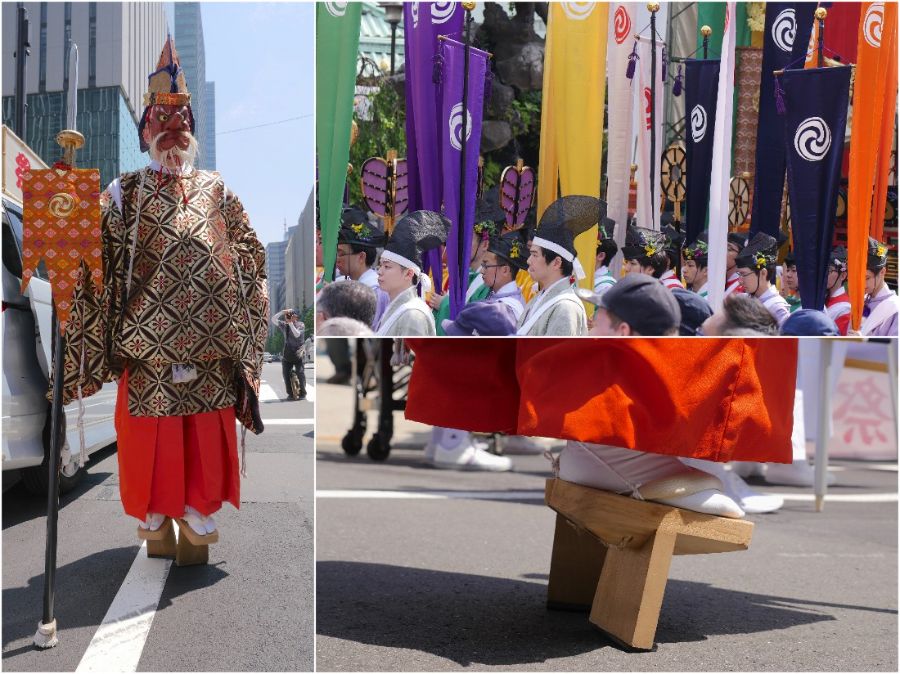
x: 85, y: 589
x: 20, y: 505
x: 489, y: 621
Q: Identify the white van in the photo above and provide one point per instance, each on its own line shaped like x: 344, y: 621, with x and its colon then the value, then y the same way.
x: 27, y: 337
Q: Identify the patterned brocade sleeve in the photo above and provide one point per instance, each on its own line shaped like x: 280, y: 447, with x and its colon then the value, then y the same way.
x: 251, y: 258
x: 87, y: 358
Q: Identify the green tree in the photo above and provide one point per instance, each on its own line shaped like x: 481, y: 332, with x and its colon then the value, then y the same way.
x: 384, y: 130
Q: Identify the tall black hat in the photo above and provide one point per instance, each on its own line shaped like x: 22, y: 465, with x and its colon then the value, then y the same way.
x: 674, y: 236
x: 699, y: 250
x: 357, y: 230
x: 760, y: 252
x: 838, y: 258
x: 876, y: 258
x: 564, y: 219
x: 737, y: 239
x: 634, y: 242
x: 414, y: 234
x: 512, y: 247
x: 489, y: 216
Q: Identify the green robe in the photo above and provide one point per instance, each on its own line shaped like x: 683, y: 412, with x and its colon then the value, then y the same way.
x: 444, y: 310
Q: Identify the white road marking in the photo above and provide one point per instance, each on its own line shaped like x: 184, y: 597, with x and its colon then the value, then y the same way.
x: 119, y: 640
x: 267, y: 393
x: 538, y: 495
x: 534, y: 495
x: 844, y: 498
x: 288, y: 422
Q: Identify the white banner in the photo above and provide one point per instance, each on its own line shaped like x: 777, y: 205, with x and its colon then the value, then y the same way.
x: 620, y: 110
x: 721, y: 165
x: 648, y: 196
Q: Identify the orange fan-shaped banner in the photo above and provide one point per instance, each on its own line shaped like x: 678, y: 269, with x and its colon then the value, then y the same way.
x: 62, y: 227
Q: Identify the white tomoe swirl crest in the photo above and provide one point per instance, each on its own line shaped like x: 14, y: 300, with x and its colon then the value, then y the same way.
x: 337, y: 9
x: 442, y: 11
x: 415, y: 13
x: 812, y: 139
x: 577, y: 11
x: 698, y: 123
x: 784, y: 29
x: 872, y: 24
x: 456, y: 121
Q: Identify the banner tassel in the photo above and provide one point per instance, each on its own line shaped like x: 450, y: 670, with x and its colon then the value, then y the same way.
x: 632, y: 62
x: 779, y: 98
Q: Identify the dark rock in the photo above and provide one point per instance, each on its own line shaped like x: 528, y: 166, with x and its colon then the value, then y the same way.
x: 502, y: 97
x: 494, y: 135
x: 525, y: 69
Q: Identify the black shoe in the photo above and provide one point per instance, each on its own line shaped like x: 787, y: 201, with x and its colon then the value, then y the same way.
x: 338, y: 378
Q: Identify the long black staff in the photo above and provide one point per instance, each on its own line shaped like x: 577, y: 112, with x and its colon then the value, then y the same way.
x: 654, y: 8
x: 46, y: 635
x: 460, y: 232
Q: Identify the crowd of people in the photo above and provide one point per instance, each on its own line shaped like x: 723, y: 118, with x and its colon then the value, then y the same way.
x: 525, y: 281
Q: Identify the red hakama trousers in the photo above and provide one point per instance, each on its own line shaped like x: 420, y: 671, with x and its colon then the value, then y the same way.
x: 166, y: 463
x: 716, y: 399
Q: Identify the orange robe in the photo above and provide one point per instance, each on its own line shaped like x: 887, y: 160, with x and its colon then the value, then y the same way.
x: 716, y: 399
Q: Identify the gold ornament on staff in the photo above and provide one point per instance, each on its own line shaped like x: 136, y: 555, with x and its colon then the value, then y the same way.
x: 653, y: 6
x: 706, y: 31
x: 468, y: 6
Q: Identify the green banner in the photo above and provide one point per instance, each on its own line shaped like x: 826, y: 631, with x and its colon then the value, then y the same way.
x: 712, y: 14
x: 337, y: 43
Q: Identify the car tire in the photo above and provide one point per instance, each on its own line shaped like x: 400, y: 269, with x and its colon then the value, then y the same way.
x: 37, y: 478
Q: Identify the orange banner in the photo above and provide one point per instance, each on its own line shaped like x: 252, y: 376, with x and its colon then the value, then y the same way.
x: 62, y: 227
x: 873, y: 91
x: 885, y: 145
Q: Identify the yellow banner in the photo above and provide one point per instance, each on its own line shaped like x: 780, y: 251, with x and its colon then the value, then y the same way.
x: 572, y: 111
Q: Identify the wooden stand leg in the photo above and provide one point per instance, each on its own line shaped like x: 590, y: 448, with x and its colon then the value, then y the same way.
x: 164, y: 548
x: 188, y: 554
x: 574, y: 567
x: 630, y: 591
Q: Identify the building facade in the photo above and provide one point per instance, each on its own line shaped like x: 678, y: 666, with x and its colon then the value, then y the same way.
x: 118, y: 46
x: 192, y: 52
x: 299, y: 260
x: 275, y: 274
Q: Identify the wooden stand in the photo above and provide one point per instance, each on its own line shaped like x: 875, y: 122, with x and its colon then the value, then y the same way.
x: 611, y: 554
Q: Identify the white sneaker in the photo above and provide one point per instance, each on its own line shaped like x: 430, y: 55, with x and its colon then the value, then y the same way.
x: 797, y: 474
x: 521, y: 444
x: 455, y: 450
x: 751, y: 502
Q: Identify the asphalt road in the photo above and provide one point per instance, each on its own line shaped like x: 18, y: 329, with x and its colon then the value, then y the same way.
x: 249, y: 609
x: 445, y: 570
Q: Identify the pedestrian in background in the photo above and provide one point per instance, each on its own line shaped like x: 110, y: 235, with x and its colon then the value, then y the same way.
x: 293, y: 351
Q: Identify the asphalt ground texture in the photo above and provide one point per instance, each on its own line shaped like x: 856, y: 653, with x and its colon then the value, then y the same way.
x: 427, y: 584
x: 249, y: 609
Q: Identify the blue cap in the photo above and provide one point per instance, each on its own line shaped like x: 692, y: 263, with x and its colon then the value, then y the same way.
x: 694, y: 310
x: 809, y: 323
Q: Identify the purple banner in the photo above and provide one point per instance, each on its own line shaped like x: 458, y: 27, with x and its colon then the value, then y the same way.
x: 701, y: 87
x: 423, y: 22
x: 786, y: 36
x: 453, y: 118
x: 815, y: 122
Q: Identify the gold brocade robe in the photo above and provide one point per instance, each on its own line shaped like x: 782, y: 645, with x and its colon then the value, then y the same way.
x: 194, y: 294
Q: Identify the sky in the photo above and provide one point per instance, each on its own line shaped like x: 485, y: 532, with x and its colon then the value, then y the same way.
x: 261, y: 57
